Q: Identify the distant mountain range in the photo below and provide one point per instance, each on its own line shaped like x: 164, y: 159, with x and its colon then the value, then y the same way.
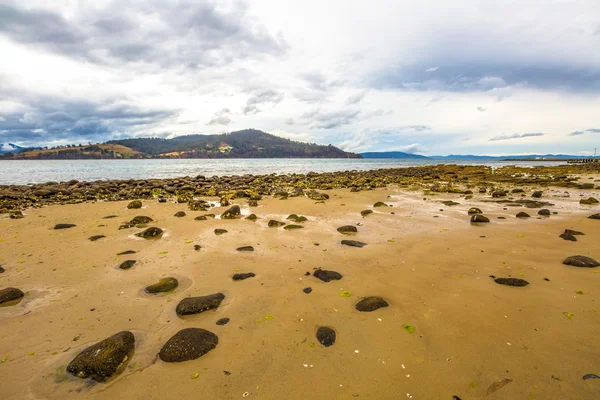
x: 390, y: 154
x: 466, y: 157
x: 10, y: 148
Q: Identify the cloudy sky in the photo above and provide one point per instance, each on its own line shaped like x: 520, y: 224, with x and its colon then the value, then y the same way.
x: 432, y: 77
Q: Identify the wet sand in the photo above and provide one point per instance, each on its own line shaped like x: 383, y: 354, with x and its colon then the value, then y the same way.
x: 432, y: 267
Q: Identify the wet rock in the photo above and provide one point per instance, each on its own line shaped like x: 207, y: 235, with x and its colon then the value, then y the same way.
x: 223, y: 321
x: 140, y: 219
x: 499, y: 193
x: 371, y: 303
x: 110, y: 216
x: 478, y: 218
x: 163, y: 285
x: 537, y: 194
x: 179, y: 214
x: 245, y: 248
x: 232, y: 212
x: 219, y: 231
x: 590, y: 376
x: 188, y: 344
x: 252, y: 217
x: 450, y: 203
x: 594, y: 216
x: 523, y: 215
x: 103, y: 359
x: 16, y: 215
x: 95, y: 237
x: 568, y: 236
x: 127, y: 264
x: 517, y: 190
x: 123, y: 253
x: 2, y: 270
x: 307, y: 290
x: 292, y: 217
x: 135, y: 204
x: 572, y: 232
x: 275, y: 224
x: 511, y: 281
x: 589, y: 201
x: 326, y: 336
x: 364, y: 213
x: 474, y: 210
x: 242, y: 276
x: 252, y: 203
x: 545, y: 212
x: 353, y: 243
x: 224, y: 202
x: 581, y: 261
x: 64, y: 226
x: 327, y: 276
x: 347, y: 229
x: 196, y: 305
x: 301, y: 219
x: 380, y: 204
x: 10, y: 294
x: 150, y: 233
x: 197, y: 205
x: 292, y: 227
x: 197, y: 247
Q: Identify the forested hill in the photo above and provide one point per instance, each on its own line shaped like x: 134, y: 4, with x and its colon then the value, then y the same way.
x: 248, y: 143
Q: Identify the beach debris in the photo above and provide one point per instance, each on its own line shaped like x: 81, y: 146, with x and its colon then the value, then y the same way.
x: 326, y: 275
x: 123, y: 253
x: 64, y: 226
x: 9, y: 294
x: 275, y: 224
x: 232, y: 212
x: 163, y: 285
x: 568, y: 314
x: 127, y: 264
x: 579, y: 291
x: 590, y: 376
x: 572, y: 232
x: 95, y: 237
x: 196, y: 375
x: 371, y: 303
x: 199, y: 304
x: 478, y: 218
x: 223, y: 321
x: 103, y: 359
x: 188, y: 344
x: 511, y: 281
x: 498, y: 385
x: 409, y: 328
x: 581, y: 261
x: 266, y: 318
x: 245, y: 248
x: 353, y: 243
x: 180, y: 214
x: 307, y: 290
x: 135, y: 204
x: 242, y: 276
x: 345, y: 293
x: 474, y: 210
x: 219, y: 231
x: 326, y: 336
x: 150, y: 233
x: 347, y: 229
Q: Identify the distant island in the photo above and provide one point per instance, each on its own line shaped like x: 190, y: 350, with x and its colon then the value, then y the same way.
x: 249, y: 143
x: 390, y: 154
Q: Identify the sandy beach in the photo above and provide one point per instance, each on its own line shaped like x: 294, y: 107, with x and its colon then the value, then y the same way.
x: 449, y: 330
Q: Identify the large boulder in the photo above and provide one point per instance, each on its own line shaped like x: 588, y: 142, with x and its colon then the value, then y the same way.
x: 188, y: 344
x: 197, y: 305
x: 103, y: 359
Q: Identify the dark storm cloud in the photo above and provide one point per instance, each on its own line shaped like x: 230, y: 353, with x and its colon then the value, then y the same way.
x: 177, y: 34
x: 516, y: 136
x: 267, y: 97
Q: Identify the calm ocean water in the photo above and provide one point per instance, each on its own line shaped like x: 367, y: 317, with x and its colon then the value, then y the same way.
x: 20, y: 172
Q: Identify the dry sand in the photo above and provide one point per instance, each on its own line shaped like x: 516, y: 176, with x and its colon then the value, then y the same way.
x: 432, y: 267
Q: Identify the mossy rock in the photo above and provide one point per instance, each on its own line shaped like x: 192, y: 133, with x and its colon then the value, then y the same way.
x: 364, y: 213
x: 197, y: 305
x: 16, y: 215
x: 232, y: 212
x: 10, y: 294
x: 380, y: 204
x: 163, y: 285
x: 275, y: 224
x: 135, y: 204
x: 292, y: 217
x: 64, y: 226
x: 326, y: 336
x: 301, y: 219
x: 252, y: 217
x: 140, y: 219
x: 292, y: 227
x: 347, y: 229
x: 151, y: 233
x: 197, y: 205
x: 371, y: 303
x: 589, y: 201
x: 252, y: 203
x: 474, y: 210
x: 95, y: 237
x: 188, y: 344
x: 220, y: 232
x: 103, y: 359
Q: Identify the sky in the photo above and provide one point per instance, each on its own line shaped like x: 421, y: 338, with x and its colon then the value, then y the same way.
x: 427, y: 77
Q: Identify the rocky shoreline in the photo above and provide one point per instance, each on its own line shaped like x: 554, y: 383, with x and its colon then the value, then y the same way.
x: 440, y: 179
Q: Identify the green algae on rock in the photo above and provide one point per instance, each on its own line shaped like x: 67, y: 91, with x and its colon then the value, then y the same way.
x: 188, y: 344
x: 151, y: 233
x: 135, y: 204
x: 163, y: 285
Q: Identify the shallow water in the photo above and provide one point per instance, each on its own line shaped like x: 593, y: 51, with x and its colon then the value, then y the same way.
x: 21, y: 172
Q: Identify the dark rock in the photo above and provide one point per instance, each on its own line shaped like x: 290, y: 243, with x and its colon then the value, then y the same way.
x: 501, y: 217
x: 517, y: 190
x: 163, y: 285
x: 232, y: 213
x: 301, y: 219
x: 568, y: 236
x: 252, y: 217
x: 275, y: 224
x: 95, y: 237
x: 307, y: 290
x: 64, y: 226
x: 511, y: 281
x: 188, y: 344
x: 245, y: 248
x: 197, y: 205
x: 223, y: 321
x: 474, y: 210
x: 327, y: 276
x: 123, y: 253
x: 16, y: 215
x: 450, y: 203
x: 326, y: 336
x: 180, y: 214
x: 2, y: 270
x: 292, y: 217
x: 242, y: 276
x: 103, y: 359
x: 135, y: 204
x: 353, y: 243
x: 380, y: 204
x: 364, y: 213
x: 537, y: 194
x: 110, y: 216
x: 150, y: 233
x: 523, y: 215
x: 220, y: 231
x: 499, y: 193
x: 10, y: 294
x: 371, y: 303
x: 197, y: 247
x: 478, y: 218
x: 572, y: 232
x: 196, y: 305
x: 594, y: 216
x: 127, y: 264
x: 292, y: 227
x: 590, y: 376
x: 347, y: 229
x: 140, y: 219
x: 589, y: 201
x: 544, y: 212
x: 581, y: 261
